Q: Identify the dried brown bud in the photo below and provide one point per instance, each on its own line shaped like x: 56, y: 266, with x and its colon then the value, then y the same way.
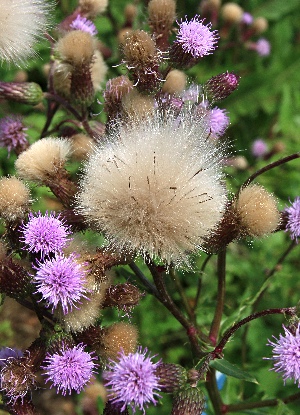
x: 116, y: 89
x: 257, y: 211
x: 232, y: 12
x: 175, y: 82
x: 14, y: 279
x: 172, y: 377
x: 119, y: 336
x: 142, y: 59
x: 259, y: 25
x: 113, y: 409
x: 123, y: 296
x: 162, y: 14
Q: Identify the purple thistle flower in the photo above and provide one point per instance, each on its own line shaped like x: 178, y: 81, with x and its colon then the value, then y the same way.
x: 45, y: 234
x: 286, y: 354
x: 263, y: 47
x: 293, y: 219
x: 247, y: 18
x: 70, y: 369
x: 7, y: 353
x: 217, y: 121
x: 12, y: 133
x: 61, y: 281
x: 259, y: 148
x: 196, y: 38
x: 132, y: 380
x: 82, y: 23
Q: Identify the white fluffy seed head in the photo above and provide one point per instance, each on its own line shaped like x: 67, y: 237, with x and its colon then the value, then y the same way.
x: 155, y: 188
x: 14, y: 199
x: 43, y: 159
x: 21, y: 23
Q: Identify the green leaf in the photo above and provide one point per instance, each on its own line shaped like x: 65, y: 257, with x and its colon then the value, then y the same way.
x: 229, y: 369
x: 276, y: 9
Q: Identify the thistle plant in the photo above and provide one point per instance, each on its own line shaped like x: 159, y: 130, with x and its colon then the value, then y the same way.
x: 152, y: 257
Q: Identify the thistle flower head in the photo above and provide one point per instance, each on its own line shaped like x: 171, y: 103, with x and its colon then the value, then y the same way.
x: 21, y: 23
x: 8, y: 353
x: 155, y: 188
x: 217, y: 121
x: 17, y: 378
x: 259, y: 148
x: 70, y: 369
x: 82, y: 23
x: 61, y: 281
x: 286, y: 354
x: 293, y: 219
x: 132, y: 380
x: 12, y: 133
x: 263, y: 47
x: 196, y: 38
x: 44, y: 234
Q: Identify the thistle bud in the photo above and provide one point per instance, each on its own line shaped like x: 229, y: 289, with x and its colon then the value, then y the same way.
x: 232, y: 13
x: 91, y: 8
x: 162, y: 14
x: 76, y: 49
x: 22, y: 406
x: 189, y: 400
x: 175, y: 82
x: 116, y: 89
x: 257, y: 211
x: 221, y: 86
x: 259, y: 25
x: 82, y: 146
x: 137, y: 107
x: 18, y: 376
x: 142, y: 59
x: 14, y: 279
x: 112, y: 408
x: 28, y: 93
x: 123, y: 296
x: 130, y: 14
x: 172, y: 377
x: 119, y: 336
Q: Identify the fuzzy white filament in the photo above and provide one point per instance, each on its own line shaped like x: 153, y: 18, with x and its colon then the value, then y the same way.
x: 21, y: 23
x: 155, y: 188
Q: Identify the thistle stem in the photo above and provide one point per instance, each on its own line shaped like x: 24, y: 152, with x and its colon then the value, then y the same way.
x: 269, y: 167
x: 215, y: 327
x: 219, y: 348
x: 260, y: 404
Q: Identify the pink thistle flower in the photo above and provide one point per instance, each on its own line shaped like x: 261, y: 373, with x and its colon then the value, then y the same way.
x: 61, y: 281
x: 12, y: 133
x: 196, y: 38
x: 132, y: 380
x: 217, y: 121
x: 82, y: 23
x: 263, y: 47
x: 45, y: 234
x: 70, y: 369
x: 293, y: 219
x: 259, y: 148
x: 286, y: 354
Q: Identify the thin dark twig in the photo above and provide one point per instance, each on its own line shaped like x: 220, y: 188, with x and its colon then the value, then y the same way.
x: 269, y: 167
